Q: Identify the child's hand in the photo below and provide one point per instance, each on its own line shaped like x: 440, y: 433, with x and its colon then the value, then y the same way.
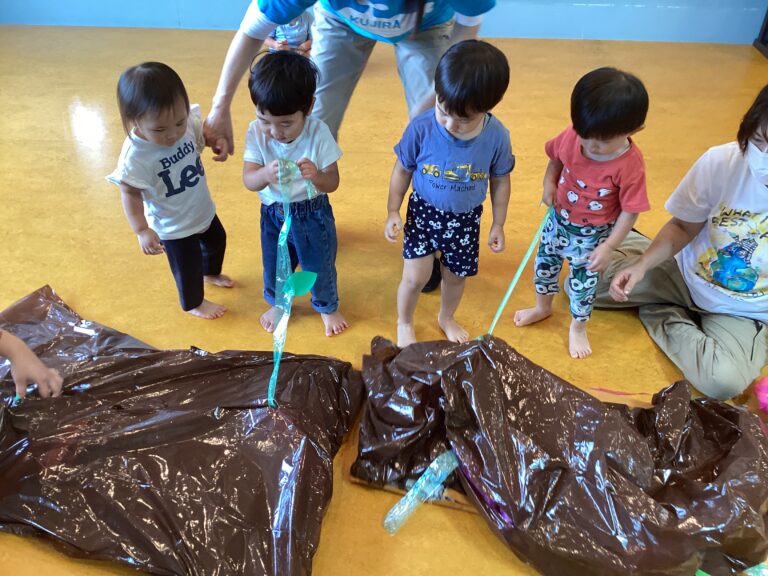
x: 305, y: 47
x: 26, y: 369
x: 307, y: 168
x: 150, y: 242
x: 548, y: 195
x: 393, y: 226
x: 496, y: 238
x: 273, y: 44
x: 273, y: 172
x: 600, y: 258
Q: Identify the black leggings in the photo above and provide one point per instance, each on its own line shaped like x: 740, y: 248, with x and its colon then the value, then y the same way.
x: 193, y: 257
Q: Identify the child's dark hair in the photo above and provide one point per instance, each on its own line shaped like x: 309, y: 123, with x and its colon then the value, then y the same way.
x: 471, y: 77
x: 283, y: 83
x: 148, y: 87
x: 607, y: 102
x: 755, y: 120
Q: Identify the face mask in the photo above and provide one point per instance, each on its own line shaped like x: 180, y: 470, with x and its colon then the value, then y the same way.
x: 758, y: 163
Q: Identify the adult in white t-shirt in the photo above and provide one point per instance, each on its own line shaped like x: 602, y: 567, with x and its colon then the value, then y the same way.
x: 702, y: 284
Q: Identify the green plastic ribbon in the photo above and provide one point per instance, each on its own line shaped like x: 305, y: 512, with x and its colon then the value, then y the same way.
x: 287, y: 283
x: 759, y: 570
x: 520, y: 269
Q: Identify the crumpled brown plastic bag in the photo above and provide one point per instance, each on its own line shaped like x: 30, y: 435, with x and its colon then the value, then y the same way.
x: 170, y: 461
x: 573, y: 485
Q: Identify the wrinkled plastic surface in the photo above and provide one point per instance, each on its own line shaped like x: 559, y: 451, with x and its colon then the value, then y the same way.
x: 169, y: 460
x: 426, y: 487
x: 573, y: 485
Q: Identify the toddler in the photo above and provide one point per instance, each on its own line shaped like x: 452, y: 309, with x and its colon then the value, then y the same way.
x: 451, y: 153
x: 282, y: 86
x: 162, y: 183
x: 296, y: 35
x: 596, y: 180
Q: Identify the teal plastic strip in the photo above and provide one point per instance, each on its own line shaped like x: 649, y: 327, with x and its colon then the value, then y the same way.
x: 429, y: 484
x: 287, y: 284
x: 759, y: 570
x: 520, y: 269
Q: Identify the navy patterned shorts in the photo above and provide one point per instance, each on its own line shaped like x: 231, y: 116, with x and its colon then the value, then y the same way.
x: 455, y: 234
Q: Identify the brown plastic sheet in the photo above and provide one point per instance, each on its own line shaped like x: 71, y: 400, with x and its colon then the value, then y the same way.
x: 169, y: 460
x: 573, y: 485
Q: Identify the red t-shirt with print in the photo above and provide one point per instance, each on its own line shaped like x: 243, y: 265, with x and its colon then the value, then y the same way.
x: 590, y: 192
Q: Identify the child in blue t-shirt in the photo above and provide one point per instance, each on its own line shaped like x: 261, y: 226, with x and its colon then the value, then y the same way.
x: 295, y: 35
x: 451, y: 153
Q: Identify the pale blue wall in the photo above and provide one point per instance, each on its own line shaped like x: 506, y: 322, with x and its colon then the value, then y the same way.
x: 726, y: 21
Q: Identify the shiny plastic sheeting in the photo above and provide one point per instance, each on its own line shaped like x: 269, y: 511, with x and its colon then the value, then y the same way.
x: 573, y: 485
x: 170, y: 461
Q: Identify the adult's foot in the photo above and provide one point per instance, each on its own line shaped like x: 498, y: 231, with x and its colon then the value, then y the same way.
x: 335, y: 323
x: 452, y: 329
x: 220, y: 280
x: 208, y: 310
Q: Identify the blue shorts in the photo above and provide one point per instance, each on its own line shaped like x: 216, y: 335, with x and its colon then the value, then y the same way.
x: 455, y: 234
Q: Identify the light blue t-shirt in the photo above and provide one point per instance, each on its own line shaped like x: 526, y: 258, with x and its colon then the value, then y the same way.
x: 388, y: 21
x: 449, y: 173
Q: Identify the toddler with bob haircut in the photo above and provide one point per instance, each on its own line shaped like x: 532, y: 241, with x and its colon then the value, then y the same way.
x: 162, y: 183
x: 452, y: 154
x: 596, y: 180
x: 282, y: 86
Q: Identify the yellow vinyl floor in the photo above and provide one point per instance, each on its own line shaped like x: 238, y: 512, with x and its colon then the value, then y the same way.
x: 62, y: 224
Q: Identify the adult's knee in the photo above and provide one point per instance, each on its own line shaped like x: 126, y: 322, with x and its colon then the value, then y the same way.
x: 726, y: 381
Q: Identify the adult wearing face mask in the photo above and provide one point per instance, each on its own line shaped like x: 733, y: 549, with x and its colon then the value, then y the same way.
x: 701, y: 285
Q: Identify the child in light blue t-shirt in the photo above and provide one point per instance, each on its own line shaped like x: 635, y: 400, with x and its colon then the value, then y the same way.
x: 296, y: 35
x: 451, y: 153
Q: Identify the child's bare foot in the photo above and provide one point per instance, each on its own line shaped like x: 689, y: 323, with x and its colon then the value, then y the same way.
x: 268, y: 320
x: 208, y: 310
x: 452, y: 330
x: 220, y: 280
x: 406, y: 335
x: 335, y: 323
x: 578, y: 343
x: 531, y: 315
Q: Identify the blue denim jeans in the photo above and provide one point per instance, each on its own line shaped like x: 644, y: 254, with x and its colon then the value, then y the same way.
x: 311, y: 244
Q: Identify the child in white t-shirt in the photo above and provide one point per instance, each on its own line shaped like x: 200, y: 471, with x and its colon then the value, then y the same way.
x: 162, y: 183
x: 282, y: 86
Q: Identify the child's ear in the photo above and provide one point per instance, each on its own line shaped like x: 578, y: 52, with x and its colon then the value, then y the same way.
x: 312, y: 105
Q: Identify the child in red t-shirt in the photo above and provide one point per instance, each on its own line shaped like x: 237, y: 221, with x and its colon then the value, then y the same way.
x: 596, y: 180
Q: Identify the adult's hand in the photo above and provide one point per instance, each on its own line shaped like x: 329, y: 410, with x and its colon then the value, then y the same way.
x: 625, y: 280
x: 218, y: 133
x: 218, y: 126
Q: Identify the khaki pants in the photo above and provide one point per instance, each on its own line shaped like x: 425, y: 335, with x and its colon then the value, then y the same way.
x: 717, y: 353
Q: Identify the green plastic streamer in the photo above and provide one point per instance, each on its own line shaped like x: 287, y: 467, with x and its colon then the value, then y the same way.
x: 520, y: 269
x: 287, y: 283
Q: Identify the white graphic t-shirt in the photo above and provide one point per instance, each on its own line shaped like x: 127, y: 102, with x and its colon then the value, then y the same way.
x: 315, y: 142
x: 726, y: 265
x: 177, y: 202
